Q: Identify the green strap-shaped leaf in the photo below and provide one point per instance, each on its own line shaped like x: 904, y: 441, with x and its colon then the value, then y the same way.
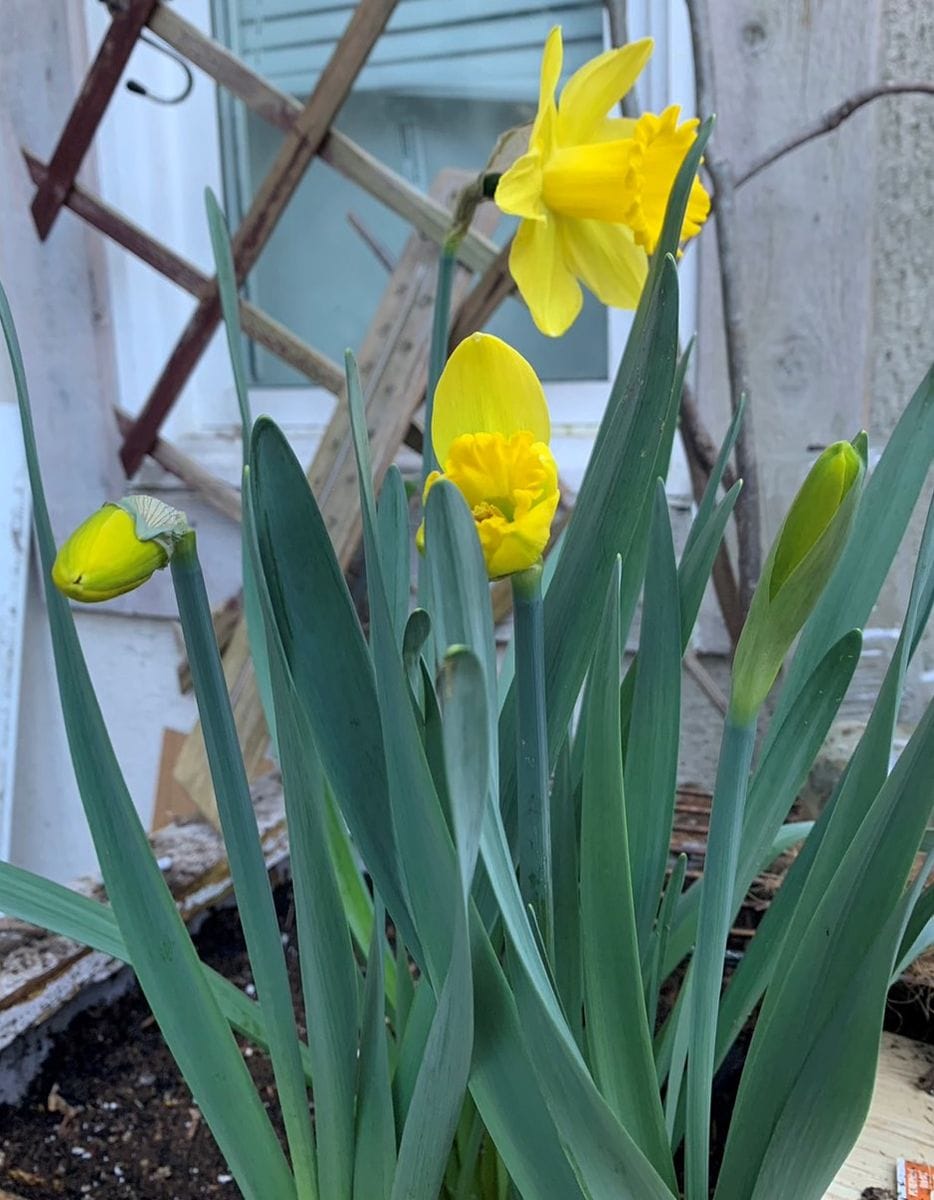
x: 247, y: 863
x: 163, y: 956
x: 809, y: 875
x: 375, y: 1158
x: 652, y: 747
x: 916, y: 911
x: 334, y: 679
x: 230, y: 309
x: 808, y: 1077
x: 631, y: 583
x: 41, y: 902
x: 327, y: 657
x: 440, y: 1087
x: 440, y: 909
x: 614, y: 999
x: 660, y: 934
x: 392, y: 525
x: 565, y: 861
x: 709, y: 499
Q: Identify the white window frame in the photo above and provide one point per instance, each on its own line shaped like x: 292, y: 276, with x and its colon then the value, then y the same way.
x: 154, y: 161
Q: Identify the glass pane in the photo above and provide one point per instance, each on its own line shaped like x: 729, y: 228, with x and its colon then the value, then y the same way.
x: 433, y: 96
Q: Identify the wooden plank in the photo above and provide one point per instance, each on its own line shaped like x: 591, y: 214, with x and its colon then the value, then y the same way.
x: 297, y: 152
x: 422, y: 212
x: 393, y: 367
x: 900, y: 1122
x: 99, y: 85
x: 15, y: 516
x: 256, y: 324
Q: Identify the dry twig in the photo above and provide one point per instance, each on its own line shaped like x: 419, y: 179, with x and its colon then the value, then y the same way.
x: 829, y: 122
x: 721, y: 175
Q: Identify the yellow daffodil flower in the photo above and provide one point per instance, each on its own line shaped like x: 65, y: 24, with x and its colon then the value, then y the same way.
x: 117, y: 548
x: 592, y: 189
x: 490, y: 430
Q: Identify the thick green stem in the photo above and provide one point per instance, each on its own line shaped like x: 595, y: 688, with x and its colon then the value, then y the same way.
x: 713, y: 928
x: 438, y: 353
x: 247, y: 863
x: 534, y: 811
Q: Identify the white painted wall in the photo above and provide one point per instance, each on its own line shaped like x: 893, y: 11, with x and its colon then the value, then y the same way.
x: 133, y: 665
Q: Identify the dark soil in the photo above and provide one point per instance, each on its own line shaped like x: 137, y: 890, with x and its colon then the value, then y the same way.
x: 110, y: 1116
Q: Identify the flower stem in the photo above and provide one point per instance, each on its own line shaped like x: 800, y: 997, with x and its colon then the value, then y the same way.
x: 713, y: 928
x: 439, y: 343
x: 534, y: 811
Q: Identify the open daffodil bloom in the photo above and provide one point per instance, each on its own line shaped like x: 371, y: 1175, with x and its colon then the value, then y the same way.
x: 490, y: 430
x: 592, y: 189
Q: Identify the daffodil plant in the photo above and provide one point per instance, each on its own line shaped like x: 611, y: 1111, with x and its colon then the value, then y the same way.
x: 489, y: 924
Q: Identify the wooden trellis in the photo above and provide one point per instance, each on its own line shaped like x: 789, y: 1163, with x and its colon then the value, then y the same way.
x: 308, y: 134
x: 398, y: 386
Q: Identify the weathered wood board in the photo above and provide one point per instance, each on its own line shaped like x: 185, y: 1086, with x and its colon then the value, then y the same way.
x: 900, y: 1124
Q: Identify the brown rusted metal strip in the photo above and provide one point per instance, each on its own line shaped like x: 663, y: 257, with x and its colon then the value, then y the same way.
x: 298, y: 150
x: 98, y: 87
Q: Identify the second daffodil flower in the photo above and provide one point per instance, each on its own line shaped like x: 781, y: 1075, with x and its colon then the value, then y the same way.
x: 490, y: 431
x: 592, y: 188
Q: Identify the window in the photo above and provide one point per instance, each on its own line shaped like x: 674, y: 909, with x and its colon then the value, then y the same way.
x: 443, y: 82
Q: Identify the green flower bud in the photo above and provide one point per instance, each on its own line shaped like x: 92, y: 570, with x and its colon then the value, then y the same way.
x: 117, y: 549
x: 801, y: 562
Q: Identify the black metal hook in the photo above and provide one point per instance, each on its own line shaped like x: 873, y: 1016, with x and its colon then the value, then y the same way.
x: 140, y: 89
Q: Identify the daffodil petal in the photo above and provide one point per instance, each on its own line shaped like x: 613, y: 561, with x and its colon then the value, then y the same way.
x: 599, y: 180
x: 519, y: 191
x: 552, y: 60
x: 509, y: 547
x: 591, y: 92
x: 104, y: 558
x: 549, y: 289
x: 487, y: 387
x: 698, y: 210
x: 665, y: 144
x: 607, y: 259
x: 614, y: 129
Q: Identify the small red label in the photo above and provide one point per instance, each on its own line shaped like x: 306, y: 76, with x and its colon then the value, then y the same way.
x: 915, y: 1181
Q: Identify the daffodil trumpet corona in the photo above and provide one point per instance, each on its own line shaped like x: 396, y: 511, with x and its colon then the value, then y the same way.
x: 592, y: 188
x: 118, y: 548
x: 490, y: 431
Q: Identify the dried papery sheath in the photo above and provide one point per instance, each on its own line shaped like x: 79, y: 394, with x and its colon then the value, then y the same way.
x: 156, y: 521
x: 118, y: 548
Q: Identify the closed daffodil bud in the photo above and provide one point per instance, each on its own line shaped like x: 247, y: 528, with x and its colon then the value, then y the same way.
x: 117, y: 549
x: 801, y: 562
